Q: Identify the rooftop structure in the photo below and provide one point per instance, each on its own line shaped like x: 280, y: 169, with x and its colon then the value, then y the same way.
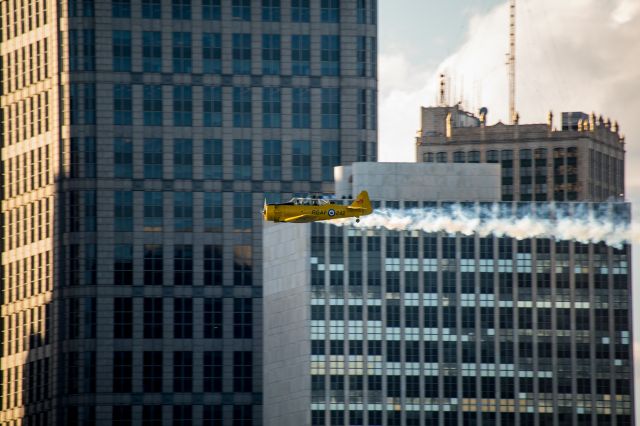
x: 582, y: 161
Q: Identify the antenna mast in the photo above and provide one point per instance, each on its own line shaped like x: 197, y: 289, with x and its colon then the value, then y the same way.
x: 512, y: 60
x: 443, y: 98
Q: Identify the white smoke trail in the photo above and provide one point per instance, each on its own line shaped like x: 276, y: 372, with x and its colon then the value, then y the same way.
x: 581, y: 226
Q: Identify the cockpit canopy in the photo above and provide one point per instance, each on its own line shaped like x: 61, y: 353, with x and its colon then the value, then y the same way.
x: 308, y: 202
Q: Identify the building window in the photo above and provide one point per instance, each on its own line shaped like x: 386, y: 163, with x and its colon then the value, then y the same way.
x: 121, y: 414
x: 212, y: 372
x: 211, y: 10
x: 212, y: 212
x: 242, y: 211
x: 120, y: 8
x: 151, y: 9
x: 301, y: 160
x: 122, y: 371
x: 301, y: 108
x: 152, y: 105
x: 123, y: 264
x: 121, y: 43
x: 442, y: 157
x: 330, y: 108
x: 241, y: 10
x: 271, y: 107
x: 473, y: 157
x: 212, y: 414
x: 361, y: 56
x: 330, y: 55
x: 212, y: 160
x: 182, y: 371
x: 89, y: 103
x: 242, y: 265
x: 492, y: 156
x: 153, y: 322
x: 153, y: 264
x: 182, y: 415
x: 183, y: 318
x: 90, y: 211
x: 213, y: 265
x: 123, y: 211
x: 122, y: 318
x: 459, y: 157
x: 181, y: 52
x: 241, y: 53
x: 182, y: 106
x: 182, y: 158
x: 271, y: 10
x: 211, y: 53
x: 90, y: 264
x: 153, y: 207
x: 300, y: 54
x: 183, y: 211
x: 242, y: 371
x: 89, y: 49
x: 330, y: 10
x: 122, y: 105
x: 90, y: 157
x: 242, y: 415
x: 122, y: 158
x: 361, y: 12
x: 213, y: 318
x: 242, y: 107
x: 242, y: 159
x: 330, y: 158
x: 151, y: 51
x: 362, y: 109
x: 181, y: 9
x: 271, y: 53
x: 242, y: 318
x: 271, y: 159
x: 183, y: 265
x: 153, y: 158
x: 300, y: 10
x: 152, y: 371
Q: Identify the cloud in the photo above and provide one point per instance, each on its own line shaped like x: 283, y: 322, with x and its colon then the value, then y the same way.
x: 403, y: 88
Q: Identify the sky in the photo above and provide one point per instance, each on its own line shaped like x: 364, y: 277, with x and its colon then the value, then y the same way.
x: 571, y: 55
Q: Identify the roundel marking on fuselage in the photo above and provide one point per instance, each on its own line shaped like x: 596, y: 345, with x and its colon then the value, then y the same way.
x: 331, y: 212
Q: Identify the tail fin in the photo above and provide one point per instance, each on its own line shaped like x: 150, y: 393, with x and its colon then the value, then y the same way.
x: 362, y: 202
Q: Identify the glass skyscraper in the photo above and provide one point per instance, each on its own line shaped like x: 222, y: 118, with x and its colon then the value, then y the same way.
x: 377, y: 327
x: 140, y: 138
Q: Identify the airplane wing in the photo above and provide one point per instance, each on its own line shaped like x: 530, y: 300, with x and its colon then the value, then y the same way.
x: 302, y: 218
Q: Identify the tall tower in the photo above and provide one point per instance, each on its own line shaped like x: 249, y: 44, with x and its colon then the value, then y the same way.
x: 512, y: 61
x: 140, y: 138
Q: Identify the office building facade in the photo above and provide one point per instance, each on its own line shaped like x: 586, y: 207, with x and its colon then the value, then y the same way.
x: 410, y: 328
x: 140, y: 138
x: 583, y: 161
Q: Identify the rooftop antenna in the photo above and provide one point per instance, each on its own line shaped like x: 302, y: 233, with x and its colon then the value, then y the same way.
x: 443, y: 96
x: 512, y: 60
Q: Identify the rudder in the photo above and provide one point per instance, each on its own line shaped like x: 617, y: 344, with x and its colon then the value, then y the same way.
x: 362, y: 202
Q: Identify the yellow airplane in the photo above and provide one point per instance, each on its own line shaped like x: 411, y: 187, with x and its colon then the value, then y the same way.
x: 302, y: 210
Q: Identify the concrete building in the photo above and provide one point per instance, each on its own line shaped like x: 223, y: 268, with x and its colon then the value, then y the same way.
x: 583, y: 161
x: 140, y: 139
x: 374, y: 327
